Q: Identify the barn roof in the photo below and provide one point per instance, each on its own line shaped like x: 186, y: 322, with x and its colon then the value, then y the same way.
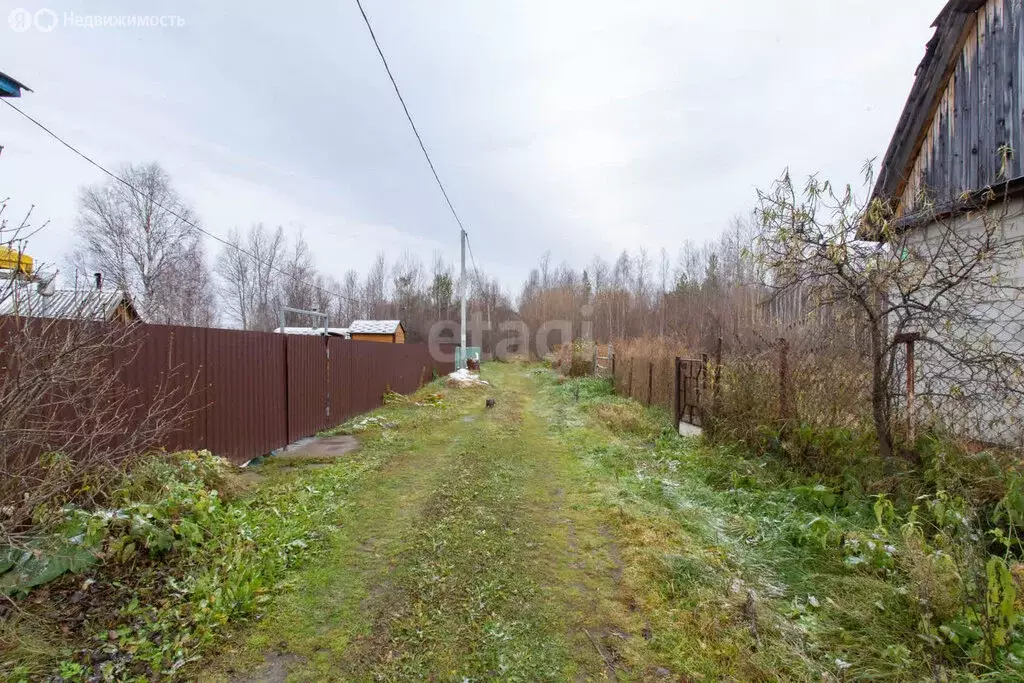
x: 80, y: 304
x: 374, y: 326
x: 932, y: 74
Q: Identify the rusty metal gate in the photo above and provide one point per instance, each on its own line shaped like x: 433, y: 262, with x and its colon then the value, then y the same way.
x: 691, y: 382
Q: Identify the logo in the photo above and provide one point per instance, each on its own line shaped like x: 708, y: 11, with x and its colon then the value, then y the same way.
x: 20, y: 19
x: 46, y: 20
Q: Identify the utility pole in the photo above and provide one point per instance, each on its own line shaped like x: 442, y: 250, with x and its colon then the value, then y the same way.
x: 463, y: 280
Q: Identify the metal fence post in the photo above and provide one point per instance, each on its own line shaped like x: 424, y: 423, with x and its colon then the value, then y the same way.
x: 705, y: 362
x: 650, y: 380
x: 911, y: 436
x: 685, y: 380
x: 908, y: 338
x: 287, y: 403
x: 630, y: 393
x: 785, y: 408
x: 717, y: 389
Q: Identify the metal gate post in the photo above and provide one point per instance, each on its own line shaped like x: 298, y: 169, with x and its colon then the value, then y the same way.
x: 287, y: 406
x: 675, y: 392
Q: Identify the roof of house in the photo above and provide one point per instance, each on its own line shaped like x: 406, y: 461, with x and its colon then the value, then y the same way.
x: 374, y: 326
x: 930, y: 81
x: 10, y: 87
x: 315, y: 331
x: 80, y: 304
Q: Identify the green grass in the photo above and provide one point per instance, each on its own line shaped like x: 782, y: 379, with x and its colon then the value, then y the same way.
x: 563, y: 535
x: 708, y: 531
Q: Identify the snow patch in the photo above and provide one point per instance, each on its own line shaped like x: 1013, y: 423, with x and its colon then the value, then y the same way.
x: 463, y: 378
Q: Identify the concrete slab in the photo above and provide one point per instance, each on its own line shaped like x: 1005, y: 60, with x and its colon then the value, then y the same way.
x: 686, y: 429
x: 330, y: 447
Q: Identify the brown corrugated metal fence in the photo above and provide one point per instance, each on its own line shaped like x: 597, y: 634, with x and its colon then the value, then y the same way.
x: 249, y: 393
x: 307, y: 385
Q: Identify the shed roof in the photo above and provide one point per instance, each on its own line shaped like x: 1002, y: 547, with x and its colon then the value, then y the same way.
x: 9, y: 87
x: 78, y: 304
x: 374, y: 326
x: 314, y: 331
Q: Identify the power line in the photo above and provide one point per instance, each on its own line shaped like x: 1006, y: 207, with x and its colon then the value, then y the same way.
x: 401, y: 99
x: 471, y: 258
x: 171, y: 211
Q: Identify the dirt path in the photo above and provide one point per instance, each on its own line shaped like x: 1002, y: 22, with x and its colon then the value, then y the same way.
x: 472, y: 555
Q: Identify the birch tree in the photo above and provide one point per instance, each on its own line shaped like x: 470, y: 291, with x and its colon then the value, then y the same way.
x: 142, y: 237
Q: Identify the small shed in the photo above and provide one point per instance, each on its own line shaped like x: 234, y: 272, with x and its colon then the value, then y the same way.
x: 385, y: 331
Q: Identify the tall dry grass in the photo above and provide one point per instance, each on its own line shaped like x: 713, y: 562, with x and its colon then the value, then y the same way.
x: 644, y: 368
x: 828, y: 378
x: 828, y: 385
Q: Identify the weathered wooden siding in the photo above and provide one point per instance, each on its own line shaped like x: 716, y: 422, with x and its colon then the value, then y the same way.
x: 980, y: 112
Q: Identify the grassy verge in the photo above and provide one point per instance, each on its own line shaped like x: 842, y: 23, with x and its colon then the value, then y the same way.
x: 748, y: 571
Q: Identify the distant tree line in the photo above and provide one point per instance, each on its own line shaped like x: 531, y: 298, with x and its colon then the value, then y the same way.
x: 158, y: 256
x: 143, y: 237
x: 693, y: 294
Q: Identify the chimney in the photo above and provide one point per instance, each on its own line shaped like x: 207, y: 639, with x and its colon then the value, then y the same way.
x: 99, y: 280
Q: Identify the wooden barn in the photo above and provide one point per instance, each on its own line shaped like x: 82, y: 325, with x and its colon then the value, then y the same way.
x: 961, y: 129
x: 955, y: 166
x: 385, y: 331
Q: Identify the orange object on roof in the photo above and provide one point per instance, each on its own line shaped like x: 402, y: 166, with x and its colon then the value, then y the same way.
x: 12, y: 259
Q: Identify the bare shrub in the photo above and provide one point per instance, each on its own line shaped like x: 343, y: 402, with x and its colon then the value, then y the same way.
x: 67, y: 422
x: 944, y: 280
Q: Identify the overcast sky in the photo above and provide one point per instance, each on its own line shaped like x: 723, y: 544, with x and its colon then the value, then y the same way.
x: 581, y: 127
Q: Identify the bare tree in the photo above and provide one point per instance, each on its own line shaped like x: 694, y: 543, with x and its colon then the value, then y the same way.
x: 375, y: 288
x: 352, y: 301
x: 237, y: 282
x: 298, y: 281
x: 442, y: 287
x: 142, y: 237
x: 188, y: 291
x: 945, y: 281
x: 249, y: 270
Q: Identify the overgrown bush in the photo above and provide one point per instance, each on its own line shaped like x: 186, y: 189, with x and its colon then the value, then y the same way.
x: 175, y: 559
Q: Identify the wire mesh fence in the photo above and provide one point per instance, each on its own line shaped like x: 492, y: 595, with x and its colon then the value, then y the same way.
x: 965, y: 380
